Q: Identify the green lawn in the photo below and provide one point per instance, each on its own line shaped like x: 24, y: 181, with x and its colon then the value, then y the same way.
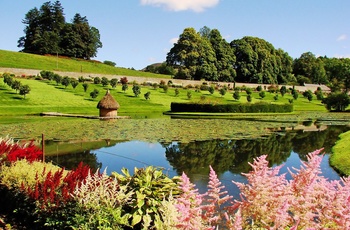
x: 340, y: 159
x: 47, y: 96
x: 10, y: 59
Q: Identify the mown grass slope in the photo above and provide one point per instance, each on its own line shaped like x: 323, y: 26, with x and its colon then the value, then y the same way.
x: 10, y: 59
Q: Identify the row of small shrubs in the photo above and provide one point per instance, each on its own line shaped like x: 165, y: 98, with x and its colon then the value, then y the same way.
x: 260, y: 107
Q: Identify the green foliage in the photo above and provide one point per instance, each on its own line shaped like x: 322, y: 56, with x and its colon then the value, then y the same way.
x: 283, y: 90
x: 275, y: 97
x: 249, y: 98
x: 125, y: 87
x: 147, y: 95
x: 22, y: 172
x: 94, y: 93
x: 97, y: 80
x: 46, y: 32
x: 136, y: 89
x: 150, y: 187
x: 258, y: 88
x: 222, y: 91
x: 258, y: 61
x: 104, y: 81
x: 106, y: 62
x: 211, y: 89
x: 189, y: 95
x: 74, y: 82
x: 165, y: 88
x: 24, y: 90
x: 337, y: 101
x: 262, y: 94
x: 65, y: 81
x: 85, y: 86
x: 177, y: 92
x: 260, y: 107
x: 308, y: 94
x: 236, y: 95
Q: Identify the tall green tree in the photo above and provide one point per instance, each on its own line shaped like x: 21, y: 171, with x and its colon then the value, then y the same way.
x: 225, y: 58
x: 257, y: 61
x: 309, y: 66
x: 47, y: 32
x: 43, y: 29
x: 193, y: 57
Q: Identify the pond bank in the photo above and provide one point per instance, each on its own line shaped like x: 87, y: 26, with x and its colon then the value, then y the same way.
x: 340, y: 159
x: 55, y: 114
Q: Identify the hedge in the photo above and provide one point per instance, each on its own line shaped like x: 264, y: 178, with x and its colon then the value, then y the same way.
x: 261, y: 107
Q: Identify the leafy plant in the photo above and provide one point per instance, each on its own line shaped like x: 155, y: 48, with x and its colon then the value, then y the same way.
x: 150, y: 188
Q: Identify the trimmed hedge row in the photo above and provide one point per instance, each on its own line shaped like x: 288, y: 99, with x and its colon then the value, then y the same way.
x: 260, y: 107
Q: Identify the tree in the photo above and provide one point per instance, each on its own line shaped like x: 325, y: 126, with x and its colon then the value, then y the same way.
x: 125, y: 87
x: 257, y: 61
x: 308, y: 94
x: 309, y: 66
x: 97, y: 80
x: 283, y: 90
x: 124, y: 80
x: 222, y: 91
x: 193, y: 56
x: 24, y: 90
x: 74, y: 82
x: 94, y: 94
x: 104, y: 81
x: 189, y: 95
x: 147, y: 95
x: 236, y: 95
x: 113, y: 82
x: 57, y: 78
x: 211, y: 89
x: 337, y: 101
x: 225, y: 58
x: 177, y: 92
x: 86, y: 86
x: 109, y: 63
x: 249, y: 98
x: 46, y: 32
x: 16, y: 85
x: 65, y: 81
x: 136, y: 89
x: 262, y: 94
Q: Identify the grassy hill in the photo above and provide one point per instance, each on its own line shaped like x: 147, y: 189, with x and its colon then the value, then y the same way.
x: 10, y: 59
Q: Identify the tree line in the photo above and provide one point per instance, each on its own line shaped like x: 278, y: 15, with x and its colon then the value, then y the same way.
x: 47, y: 32
x: 206, y: 55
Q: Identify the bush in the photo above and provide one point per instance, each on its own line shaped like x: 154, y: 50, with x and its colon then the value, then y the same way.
x: 337, y: 101
x: 260, y: 107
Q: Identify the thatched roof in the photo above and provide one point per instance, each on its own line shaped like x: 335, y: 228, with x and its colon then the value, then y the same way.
x: 108, y: 102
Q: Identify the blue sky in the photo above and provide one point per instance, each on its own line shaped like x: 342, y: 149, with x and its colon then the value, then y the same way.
x: 136, y: 33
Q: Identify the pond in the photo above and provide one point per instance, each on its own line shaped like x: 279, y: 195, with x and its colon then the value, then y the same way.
x: 229, y: 158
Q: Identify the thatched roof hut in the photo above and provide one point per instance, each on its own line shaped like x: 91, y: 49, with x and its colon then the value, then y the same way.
x: 108, y: 106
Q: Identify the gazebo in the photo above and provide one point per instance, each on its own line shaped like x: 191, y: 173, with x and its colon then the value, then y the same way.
x: 108, y: 106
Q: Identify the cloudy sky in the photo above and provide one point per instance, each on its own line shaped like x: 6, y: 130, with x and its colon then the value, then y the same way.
x: 136, y: 33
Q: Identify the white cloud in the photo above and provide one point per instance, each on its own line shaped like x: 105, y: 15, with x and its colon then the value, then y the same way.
x: 342, y: 37
x: 180, y: 5
x: 173, y: 40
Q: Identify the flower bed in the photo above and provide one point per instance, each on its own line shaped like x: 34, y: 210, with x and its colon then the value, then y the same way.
x: 48, y: 197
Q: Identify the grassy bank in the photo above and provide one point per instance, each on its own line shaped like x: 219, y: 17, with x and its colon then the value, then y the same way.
x: 340, y: 159
x: 10, y: 59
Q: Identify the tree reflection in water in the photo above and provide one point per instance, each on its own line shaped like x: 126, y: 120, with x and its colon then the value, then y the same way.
x: 234, y: 155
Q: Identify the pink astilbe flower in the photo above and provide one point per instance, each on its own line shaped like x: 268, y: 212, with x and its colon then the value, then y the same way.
x: 264, y: 200
x: 213, y: 213
x: 307, y: 201
x: 189, y: 205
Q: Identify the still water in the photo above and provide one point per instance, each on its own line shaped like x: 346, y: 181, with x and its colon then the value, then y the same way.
x: 229, y: 158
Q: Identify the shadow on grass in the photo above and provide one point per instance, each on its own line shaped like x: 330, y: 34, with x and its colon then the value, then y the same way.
x: 18, y: 97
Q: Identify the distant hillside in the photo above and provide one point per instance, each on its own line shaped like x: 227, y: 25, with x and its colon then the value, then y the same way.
x: 11, y: 59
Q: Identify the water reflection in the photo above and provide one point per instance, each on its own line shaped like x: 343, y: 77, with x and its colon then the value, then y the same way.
x: 229, y: 158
